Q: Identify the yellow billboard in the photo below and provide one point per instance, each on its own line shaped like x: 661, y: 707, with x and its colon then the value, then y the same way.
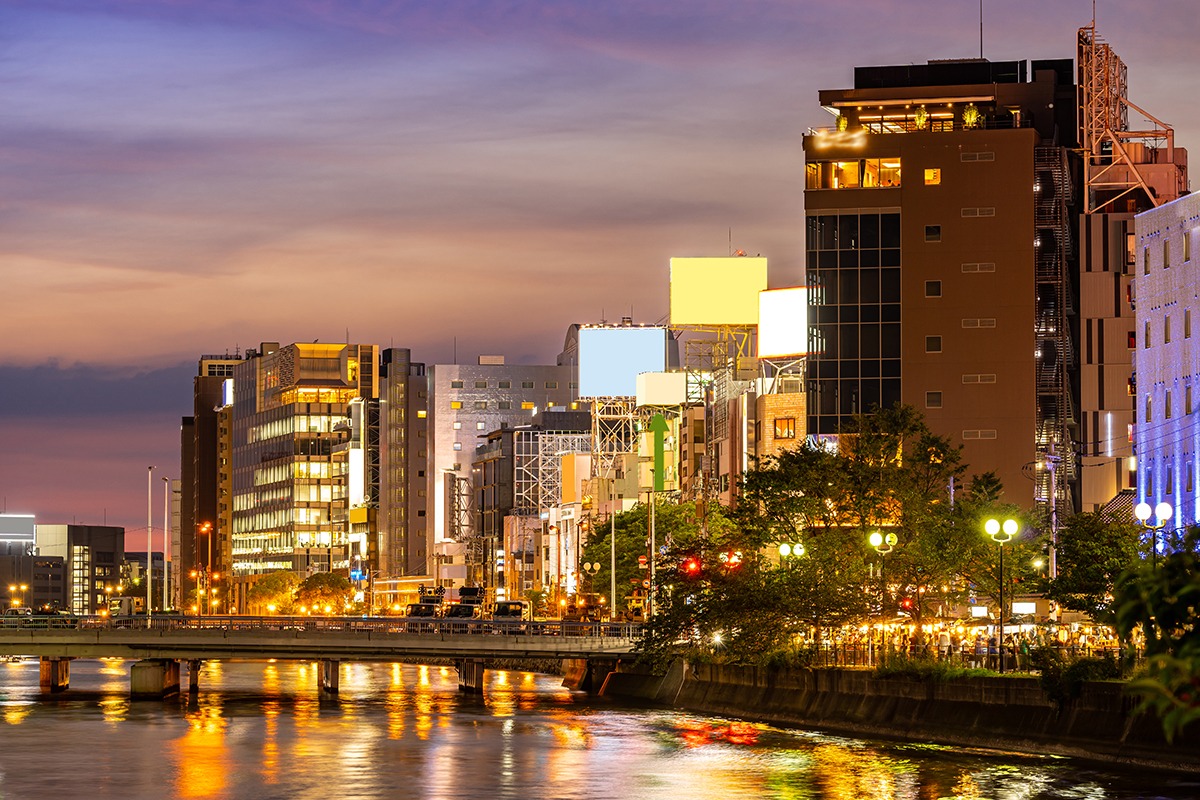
x: 716, y: 291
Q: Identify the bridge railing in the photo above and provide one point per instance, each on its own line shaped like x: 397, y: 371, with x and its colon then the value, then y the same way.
x: 376, y: 625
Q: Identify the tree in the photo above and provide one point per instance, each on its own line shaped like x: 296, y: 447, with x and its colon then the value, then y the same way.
x: 324, y: 590
x: 1093, y: 550
x: 275, y: 589
x: 1162, y: 601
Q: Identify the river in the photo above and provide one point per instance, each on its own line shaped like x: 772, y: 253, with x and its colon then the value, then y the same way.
x: 261, y: 730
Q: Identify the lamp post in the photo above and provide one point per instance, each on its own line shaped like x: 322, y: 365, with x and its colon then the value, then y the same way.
x: 149, y: 544
x: 166, y: 538
x: 1001, y: 533
x: 882, y: 545
x: 1162, y: 514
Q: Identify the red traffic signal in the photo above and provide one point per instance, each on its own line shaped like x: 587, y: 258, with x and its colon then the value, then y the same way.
x: 906, y: 604
x: 690, y: 567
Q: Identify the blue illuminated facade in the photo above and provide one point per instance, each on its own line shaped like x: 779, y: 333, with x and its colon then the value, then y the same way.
x: 1167, y: 361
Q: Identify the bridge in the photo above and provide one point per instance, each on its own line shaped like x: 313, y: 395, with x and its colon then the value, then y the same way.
x: 161, y: 643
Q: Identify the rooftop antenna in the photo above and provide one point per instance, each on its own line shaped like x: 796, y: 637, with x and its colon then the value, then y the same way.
x: 981, y: 27
x: 455, y: 349
x: 731, y: 232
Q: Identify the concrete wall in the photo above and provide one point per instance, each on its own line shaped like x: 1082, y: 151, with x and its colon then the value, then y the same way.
x: 1010, y: 713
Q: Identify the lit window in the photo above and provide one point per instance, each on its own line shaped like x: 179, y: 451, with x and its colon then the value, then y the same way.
x: 933, y: 399
x: 1131, y: 340
x: 527, y: 406
x: 458, y: 445
x: 456, y: 403
x: 1149, y: 416
x: 1187, y: 246
x: 785, y: 428
x: 933, y: 344
x: 479, y: 426
x: 480, y: 405
x: 933, y: 288
x: 1145, y: 260
x: 933, y: 233
x: 457, y: 426
x: 933, y: 176
x: 422, y: 414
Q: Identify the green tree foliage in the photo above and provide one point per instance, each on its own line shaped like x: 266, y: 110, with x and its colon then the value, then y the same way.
x: 275, y: 589
x: 325, y: 589
x: 1093, y: 550
x: 1162, y: 601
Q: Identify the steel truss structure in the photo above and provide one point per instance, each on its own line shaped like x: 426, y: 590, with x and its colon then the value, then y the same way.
x: 1111, y: 170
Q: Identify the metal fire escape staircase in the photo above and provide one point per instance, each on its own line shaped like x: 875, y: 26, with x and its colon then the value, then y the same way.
x: 1056, y: 359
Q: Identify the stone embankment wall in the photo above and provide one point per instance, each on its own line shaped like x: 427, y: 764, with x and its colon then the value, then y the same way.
x: 1010, y: 713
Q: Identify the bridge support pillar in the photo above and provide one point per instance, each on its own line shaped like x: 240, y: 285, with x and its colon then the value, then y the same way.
x: 330, y: 672
x: 193, y: 675
x: 587, y: 674
x: 54, y: 674
x: 470, y: 675
x: 156, y: 677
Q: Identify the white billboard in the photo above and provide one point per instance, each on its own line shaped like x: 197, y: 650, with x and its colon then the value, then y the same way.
x: 783, y: 322
x: 662, y: 389
x: 610, y: 359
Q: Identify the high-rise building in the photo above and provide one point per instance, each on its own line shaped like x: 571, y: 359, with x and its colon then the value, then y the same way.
x: 1167, y: 277
x: 292, y: 456
x: 204, y: 503
x: 466, y: 403
x: 403, y: 456
x: 939, y: 270
x: 967, y: 261
x: 1127, y: 168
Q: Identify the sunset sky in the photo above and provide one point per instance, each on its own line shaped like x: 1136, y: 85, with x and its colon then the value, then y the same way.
x: 196, y: 176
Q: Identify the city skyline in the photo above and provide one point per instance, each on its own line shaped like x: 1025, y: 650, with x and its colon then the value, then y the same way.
x: 189, y: 178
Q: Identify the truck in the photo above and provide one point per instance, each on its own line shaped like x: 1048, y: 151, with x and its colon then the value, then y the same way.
x: 423, y: 613
x: 511, y: 616
x: 469, y: 607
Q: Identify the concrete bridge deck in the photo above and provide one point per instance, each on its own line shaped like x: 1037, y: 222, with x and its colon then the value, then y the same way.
x: 164, y: 641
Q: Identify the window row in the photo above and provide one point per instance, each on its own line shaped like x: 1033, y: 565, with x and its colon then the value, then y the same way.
x: 1168, y: 408
x: 1166, y: 253
x: 506, y: 405
x: 508, y: 384
x: 862, y: 173
x: 852, y: 231
x: 1189, y: 484
x: 1147, y: 336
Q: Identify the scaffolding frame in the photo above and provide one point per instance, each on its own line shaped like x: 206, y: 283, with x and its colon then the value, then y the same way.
x: 614, y: 433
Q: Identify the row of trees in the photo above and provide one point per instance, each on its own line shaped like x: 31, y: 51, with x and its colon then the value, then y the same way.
x: 891, y: 474
x: 285, y: 593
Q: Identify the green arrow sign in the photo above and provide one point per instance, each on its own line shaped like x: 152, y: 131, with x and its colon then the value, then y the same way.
x: 659, y: 427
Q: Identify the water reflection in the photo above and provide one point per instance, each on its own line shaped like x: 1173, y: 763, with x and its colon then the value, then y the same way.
x: 264, y: 730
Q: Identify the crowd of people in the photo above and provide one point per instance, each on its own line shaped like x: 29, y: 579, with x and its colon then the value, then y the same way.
x: 976, y: 647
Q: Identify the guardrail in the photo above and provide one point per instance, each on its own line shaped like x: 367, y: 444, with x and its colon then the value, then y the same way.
x: 406, y: 625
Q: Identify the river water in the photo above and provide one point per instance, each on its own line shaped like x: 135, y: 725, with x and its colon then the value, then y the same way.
x: 261, y: 730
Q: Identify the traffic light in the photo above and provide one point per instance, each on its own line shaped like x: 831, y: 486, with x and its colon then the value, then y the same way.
x: 690, y: 567
x: 906, y: 605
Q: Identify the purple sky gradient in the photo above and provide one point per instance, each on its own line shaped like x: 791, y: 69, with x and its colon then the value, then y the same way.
x: 192, y: 177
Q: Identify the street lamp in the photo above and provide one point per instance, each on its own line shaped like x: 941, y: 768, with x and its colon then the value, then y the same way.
x: 1001, y: 533
x: 882, y: 545
x: 1162, y: 513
